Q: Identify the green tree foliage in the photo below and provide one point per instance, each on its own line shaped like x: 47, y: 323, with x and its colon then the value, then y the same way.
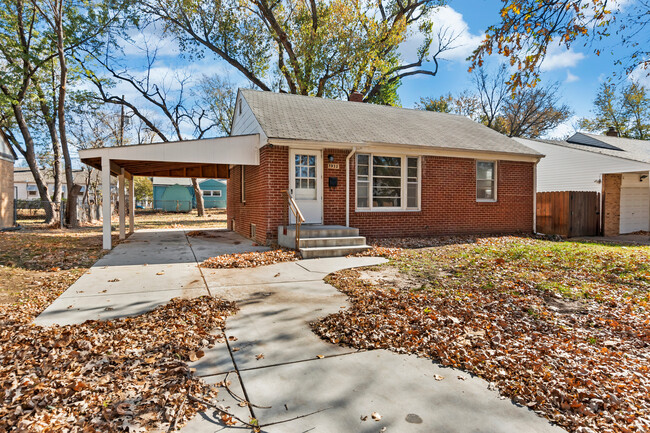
x: 143, y: 188
x: 325, y: 48
x: 627, y: 109
x: 529, y: 27
x: 441, y: 104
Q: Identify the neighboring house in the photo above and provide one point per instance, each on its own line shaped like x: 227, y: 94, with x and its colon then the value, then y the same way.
x: 616, y: 167
x: 7, y: 158
x: 384, y: 171
x: 214, y: 192
x: 25, y: 187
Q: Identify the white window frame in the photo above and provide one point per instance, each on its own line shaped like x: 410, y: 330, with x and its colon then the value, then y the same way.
x: 496, y: 176
x: 404, y: 183
x: 216, y: 193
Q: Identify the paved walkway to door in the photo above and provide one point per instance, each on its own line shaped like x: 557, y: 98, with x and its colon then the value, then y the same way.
x: 273, y: 359
x: 286, y: 371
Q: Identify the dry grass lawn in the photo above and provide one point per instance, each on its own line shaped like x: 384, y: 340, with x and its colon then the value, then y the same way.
x: 562, y: 328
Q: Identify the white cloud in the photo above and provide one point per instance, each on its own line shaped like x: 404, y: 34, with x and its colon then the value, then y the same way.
x: 445, y: 18
x: 641, y: 76
x: 150, y: 38
x: 570, y: 78
x: 563, y: 130
x: 558, y: 57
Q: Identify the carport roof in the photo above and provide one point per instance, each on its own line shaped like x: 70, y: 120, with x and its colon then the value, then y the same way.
x: 206, y: 158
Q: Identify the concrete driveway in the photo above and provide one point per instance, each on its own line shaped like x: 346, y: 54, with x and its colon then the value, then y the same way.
x: 147, y: 270
x: 295, y: 381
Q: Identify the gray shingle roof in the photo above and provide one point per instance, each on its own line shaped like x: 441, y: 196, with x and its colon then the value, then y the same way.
x: 628, y: 148
x: 299, y: 117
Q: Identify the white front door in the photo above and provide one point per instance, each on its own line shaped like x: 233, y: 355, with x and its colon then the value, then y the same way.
x: 306, y: 180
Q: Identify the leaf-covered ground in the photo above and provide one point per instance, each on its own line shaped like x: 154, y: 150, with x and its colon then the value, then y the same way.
x: 33, y: 260
x: 560, y: 327
x: 251, y: 260
x: 144, y: 219
x: 98, y: 376
x: 102, y: 376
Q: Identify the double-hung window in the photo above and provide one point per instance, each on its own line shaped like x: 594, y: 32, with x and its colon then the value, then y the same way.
x: 486, y: 185
x: 388, y: 182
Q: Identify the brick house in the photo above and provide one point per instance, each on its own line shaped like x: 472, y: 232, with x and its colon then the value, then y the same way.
x: 7, y: 158
x: 374, y: 171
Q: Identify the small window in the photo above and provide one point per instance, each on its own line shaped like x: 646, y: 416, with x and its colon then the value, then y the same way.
x: 216, y: 193
x: 207, y: 193
x: 243, y: 184
x: 486, y: 181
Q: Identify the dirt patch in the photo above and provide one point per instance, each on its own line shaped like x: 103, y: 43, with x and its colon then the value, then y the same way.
x: 390, y: 278
x: 565, y: 306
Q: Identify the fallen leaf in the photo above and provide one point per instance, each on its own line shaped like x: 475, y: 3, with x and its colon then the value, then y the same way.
x: 375, y: 416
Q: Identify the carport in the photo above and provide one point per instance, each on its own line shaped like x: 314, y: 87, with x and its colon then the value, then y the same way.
x: 207, y: 158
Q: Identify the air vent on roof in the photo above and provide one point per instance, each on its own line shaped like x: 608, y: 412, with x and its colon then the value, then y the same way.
x: 586, y: 140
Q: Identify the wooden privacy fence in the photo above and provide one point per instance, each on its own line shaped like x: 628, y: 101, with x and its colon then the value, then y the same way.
x: 568, y: 213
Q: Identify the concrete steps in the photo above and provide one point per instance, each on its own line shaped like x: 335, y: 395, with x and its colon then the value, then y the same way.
x: 323, y: 241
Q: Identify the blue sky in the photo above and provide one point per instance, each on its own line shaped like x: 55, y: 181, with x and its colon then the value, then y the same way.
x: 579, y: 70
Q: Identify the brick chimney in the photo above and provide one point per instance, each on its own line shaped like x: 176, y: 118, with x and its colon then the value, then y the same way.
x: 356, y: 97
x: 612, y: 132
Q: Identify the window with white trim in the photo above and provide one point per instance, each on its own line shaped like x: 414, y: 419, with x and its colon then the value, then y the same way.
x: 388, y: 182
x: 211, y: 193
x: 486, y: 181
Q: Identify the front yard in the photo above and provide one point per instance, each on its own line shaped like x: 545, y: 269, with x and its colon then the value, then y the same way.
x: 560, y: 327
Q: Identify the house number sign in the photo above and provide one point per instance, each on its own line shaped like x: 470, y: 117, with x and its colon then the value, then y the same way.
x: 333, y: 166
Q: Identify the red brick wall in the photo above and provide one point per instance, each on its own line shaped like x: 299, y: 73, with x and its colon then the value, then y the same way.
x: 448, y: 197
x: 265, y: 201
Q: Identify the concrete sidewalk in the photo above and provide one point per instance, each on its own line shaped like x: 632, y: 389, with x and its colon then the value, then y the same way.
x: 333, y: 393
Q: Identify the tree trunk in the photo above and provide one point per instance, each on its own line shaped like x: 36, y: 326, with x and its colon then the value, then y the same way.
x: 200, y: 209
x: 30, y: 157
x: 71, y: 204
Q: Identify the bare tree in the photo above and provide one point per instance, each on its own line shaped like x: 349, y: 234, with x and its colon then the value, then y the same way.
x: 492, y: 91
x: 531, y: 112
x: 171, y: 103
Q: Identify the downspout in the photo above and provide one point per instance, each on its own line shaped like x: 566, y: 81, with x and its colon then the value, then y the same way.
x: 347, y: 186
x: 535, y: 198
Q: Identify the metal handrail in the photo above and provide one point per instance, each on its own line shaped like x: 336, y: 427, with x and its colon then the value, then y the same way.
x: 295, y: 210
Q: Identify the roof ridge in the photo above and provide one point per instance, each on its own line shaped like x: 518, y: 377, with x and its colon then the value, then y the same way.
x: 368, y: 104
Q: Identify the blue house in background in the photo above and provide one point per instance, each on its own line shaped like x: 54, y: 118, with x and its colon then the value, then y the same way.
x: 214, y: 193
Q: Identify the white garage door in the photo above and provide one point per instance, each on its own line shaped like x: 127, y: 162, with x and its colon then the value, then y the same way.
x: 635, y: 209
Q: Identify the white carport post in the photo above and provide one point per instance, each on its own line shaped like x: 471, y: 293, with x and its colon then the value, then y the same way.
x: 121, y: 203
x: 132, y: 205
x: 106, y: 202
